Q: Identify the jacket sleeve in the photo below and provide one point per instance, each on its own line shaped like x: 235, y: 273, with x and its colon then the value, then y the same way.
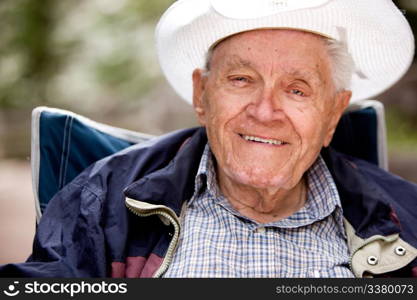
x: 69, y: 241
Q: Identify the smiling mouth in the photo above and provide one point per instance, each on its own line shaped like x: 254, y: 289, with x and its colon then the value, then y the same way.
x: 256, y: 139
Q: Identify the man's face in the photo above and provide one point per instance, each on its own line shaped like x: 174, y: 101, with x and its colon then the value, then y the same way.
x: 268, y: 105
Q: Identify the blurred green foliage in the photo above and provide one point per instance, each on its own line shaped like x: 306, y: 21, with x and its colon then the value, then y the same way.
x: 26, y: 54
x: 52, y: 52
x: 148, y: 12
x: 401, y: 132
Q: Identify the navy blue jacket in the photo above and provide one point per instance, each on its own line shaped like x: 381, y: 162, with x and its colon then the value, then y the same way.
x: 120, y: 217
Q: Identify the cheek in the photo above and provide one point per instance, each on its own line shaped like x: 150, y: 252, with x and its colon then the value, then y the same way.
x: 308, y: 125
x: 219, y: 112
x: 222, y: 108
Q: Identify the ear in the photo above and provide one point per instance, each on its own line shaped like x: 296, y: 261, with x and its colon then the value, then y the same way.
x: 341, y: 102
x: 198, y: 91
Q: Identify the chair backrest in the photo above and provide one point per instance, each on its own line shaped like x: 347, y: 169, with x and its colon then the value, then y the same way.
x: 361, y: 133
x: 64, y: 144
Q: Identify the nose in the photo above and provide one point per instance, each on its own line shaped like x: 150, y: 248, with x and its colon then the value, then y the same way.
x: 267, y: 107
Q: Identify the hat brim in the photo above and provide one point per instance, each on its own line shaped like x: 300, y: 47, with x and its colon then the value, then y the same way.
x: 376, y: 33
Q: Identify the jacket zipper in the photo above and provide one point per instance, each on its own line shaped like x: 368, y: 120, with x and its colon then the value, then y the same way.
x: 174, y: 221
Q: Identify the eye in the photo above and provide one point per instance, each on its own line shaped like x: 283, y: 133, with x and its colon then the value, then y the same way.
x: 241, y: 78
x: 297, y: 92
x: 239, y: 81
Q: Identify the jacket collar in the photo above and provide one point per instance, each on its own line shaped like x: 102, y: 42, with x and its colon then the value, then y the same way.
x: 165, y: 186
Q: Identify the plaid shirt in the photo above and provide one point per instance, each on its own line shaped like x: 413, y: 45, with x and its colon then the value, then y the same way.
x: 217, y: 241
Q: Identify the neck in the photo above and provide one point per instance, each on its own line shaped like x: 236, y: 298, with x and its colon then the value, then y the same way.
x: 264, y: 205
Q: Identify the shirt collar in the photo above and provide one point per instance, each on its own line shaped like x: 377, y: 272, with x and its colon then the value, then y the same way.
x: 206, y: 176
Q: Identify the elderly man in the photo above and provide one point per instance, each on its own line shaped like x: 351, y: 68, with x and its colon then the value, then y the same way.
x: 255, y: 192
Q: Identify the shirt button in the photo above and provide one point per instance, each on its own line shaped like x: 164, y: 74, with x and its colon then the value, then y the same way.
x: 400, y: 251
x: 260, y: 230
x: 372, y: 260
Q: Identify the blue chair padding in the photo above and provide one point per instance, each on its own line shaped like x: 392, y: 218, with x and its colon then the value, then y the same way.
x: 67, y: 147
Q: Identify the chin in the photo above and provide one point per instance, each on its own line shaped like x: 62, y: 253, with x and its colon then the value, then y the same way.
x: 259, y: 179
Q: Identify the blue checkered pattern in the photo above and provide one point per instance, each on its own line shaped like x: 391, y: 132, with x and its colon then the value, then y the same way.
x: 217, y: 241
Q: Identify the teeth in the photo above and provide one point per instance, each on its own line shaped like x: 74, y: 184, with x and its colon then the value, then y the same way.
x: 266, y: 141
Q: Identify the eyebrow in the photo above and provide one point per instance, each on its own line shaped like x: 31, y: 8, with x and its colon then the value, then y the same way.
x: 306, y: 74
x: 237, y: 62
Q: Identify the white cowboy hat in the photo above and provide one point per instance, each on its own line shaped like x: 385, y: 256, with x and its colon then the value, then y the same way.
x: 377, y: 35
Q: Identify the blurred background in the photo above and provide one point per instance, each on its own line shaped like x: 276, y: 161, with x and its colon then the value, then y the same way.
x: 97, y: 58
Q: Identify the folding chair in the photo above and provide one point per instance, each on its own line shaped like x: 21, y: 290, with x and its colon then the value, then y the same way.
x: 64, y: 144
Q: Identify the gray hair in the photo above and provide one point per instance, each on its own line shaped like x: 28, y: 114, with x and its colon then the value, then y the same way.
x: 342, y: 64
